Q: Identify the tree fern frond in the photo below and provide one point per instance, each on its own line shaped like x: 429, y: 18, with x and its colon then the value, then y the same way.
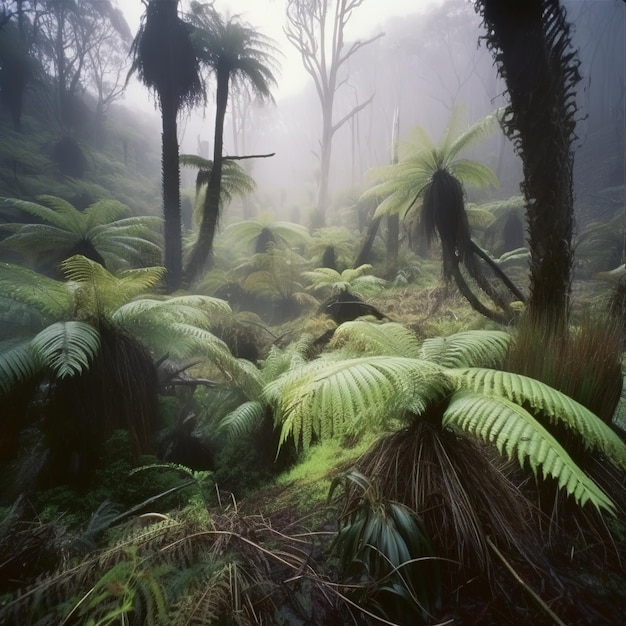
x: 188, y: 340
x: 475, y: 133
x: 514, y: 431
x: 53, y: 210
x: 66, y: 347
x: 548, y: 402
x: 103, y: 292
x: 472, y: 348
x: 17, y: 362
x: 39, y: 238
x: 104, y: 211
x: 51, y: 297
x: 325, y: 398
x: 242, y: 419
x: 366, y: 337
x: 474, y: 173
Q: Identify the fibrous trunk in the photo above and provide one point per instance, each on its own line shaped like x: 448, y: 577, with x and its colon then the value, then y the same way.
x: 531, y: 44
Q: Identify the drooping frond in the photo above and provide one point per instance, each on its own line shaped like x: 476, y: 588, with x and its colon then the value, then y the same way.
x: 55, y: 211
x: 326, y: 398
x: 17, y: 362
x: 103, y: 212
x: 66, y: 348
x: 203, y: 311
x: 545, y: 401
x: 472, y: 348
x: 366, y: 337
x: 515, y: 432
x: 243, y: 419
x: 52, y: 297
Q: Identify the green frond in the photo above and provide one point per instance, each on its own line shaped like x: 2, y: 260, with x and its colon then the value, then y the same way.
x: 327, y: 398
x: 55, y: 211
x: 242, y: 419
x: 100, y: 292
x: 515, y: 432
x: 53, y: 298
x: 66, y: 348
x: 103, y: 212
x: 476, y: 133
x: 546, y: 401
x: 17, y: 363
x: 478, y: 218
x: 472, y: 348
x: 289, y: 234
x: 365, y: 337
x: 182, y: 340
x: 151, y: 321
x: 39, y: 239
x: 418, y: 140
x: 473, y: 173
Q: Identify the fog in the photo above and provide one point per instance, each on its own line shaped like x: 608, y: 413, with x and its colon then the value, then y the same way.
x: 428, y: 60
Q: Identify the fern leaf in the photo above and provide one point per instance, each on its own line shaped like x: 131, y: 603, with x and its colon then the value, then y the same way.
x: 51, y: 297
x: 326, y: 398
x: 243, y: 419
x: 548, y: 402
x: 472, y: 348
x: 514, y: 431
x: 17, y: 362
x: 375, y: 338
x: 67, y: 347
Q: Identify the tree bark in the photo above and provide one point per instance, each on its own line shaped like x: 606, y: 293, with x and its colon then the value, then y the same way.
x: 531, y: 44
x: 171, y: 197
x: 203, y: 249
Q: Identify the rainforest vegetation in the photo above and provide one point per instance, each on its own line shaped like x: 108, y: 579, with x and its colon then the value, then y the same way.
x: 359, y: 363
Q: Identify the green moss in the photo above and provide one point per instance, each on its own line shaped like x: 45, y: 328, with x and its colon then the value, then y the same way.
x: 308, y: 482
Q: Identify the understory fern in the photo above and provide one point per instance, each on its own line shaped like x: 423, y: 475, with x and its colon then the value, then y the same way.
x: 333, y: 396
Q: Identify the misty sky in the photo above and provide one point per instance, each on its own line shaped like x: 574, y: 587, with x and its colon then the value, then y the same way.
x: 268, y: 16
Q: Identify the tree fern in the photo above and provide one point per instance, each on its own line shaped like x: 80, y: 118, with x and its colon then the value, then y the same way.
x: 515, y: 432
x: 105, y: 228
x: 332, y: 283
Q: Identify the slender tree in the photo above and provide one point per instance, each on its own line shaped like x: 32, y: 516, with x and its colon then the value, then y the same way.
x: 531, y: 44
x: 234, y: 53
x: 316, y: 28
x: 165, y: 61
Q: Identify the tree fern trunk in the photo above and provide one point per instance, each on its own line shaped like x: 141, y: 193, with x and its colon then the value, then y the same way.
x: 203, y: 248
x: 530, y: 40
x: 171, y: 197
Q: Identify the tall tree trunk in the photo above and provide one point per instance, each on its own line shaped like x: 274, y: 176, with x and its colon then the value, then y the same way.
x: 531, y: 42
x: 203, y: 248
x: 170, y: 172
x: 319, y: 219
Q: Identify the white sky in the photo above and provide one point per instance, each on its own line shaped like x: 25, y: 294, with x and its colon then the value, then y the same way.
x: 268, y: 17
